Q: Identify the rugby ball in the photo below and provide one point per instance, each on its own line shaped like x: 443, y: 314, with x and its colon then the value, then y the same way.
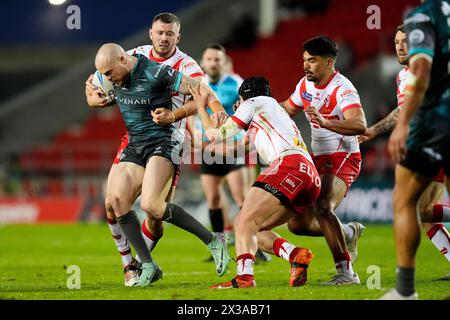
x: 104, y: 84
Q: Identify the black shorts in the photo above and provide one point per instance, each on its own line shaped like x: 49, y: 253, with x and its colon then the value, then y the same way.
x: 219, y: 170
x: 428, y: 146
x: 140, y: 152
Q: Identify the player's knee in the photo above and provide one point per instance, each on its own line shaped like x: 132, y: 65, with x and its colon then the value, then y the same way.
x: 396, y: 197
x: 109, y: 209
x: 245, y: 222
x: 117, y: 203
x: 108, y: 202
x: 213, y: 199
x: 293, y: 226
x: 110, y: 213
x: 323, y: 207
x: 402, y: 201
x: 153, y: 208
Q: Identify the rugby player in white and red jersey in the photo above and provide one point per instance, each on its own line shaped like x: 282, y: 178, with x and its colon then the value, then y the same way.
x: 432, y: 215
x: 332, y: 105
x: 165, y: 34
x: 289, y: 185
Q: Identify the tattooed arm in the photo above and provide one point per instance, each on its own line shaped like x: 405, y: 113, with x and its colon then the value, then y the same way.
x: 213, y: 101
x: 385, y: 125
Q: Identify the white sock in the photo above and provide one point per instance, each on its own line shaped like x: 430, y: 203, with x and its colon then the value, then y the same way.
x: 344, y: 265
x: 282, y: 248
x: 349, y: 231
x: 440, y: 238
x: 245, y: 264
x: 149, y: 238
x: 121, y: 241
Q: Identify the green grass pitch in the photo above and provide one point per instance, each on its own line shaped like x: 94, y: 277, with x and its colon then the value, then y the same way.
x: 32, y: 260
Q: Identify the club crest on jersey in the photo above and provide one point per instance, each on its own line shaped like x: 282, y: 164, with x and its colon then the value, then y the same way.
x: 416, y: 36
x: 307, y: 96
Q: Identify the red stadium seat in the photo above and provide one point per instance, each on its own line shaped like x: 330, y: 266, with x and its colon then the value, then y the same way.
x: 278, y: 57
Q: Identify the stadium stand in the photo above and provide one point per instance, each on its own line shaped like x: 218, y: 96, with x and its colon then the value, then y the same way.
x: 342, y: 20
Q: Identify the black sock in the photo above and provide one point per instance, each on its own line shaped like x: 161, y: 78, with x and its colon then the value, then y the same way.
x: 177, y: 216
x: 131, y: 227
x: 216, y: 218
x: 405, y: 281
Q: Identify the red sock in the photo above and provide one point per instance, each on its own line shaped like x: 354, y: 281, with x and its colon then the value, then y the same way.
x: 341, y: 257
x: 277, y: 246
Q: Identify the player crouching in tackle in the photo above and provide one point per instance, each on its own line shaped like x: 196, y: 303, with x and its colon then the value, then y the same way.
x: 152, y: 155
x: 289, y: 185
